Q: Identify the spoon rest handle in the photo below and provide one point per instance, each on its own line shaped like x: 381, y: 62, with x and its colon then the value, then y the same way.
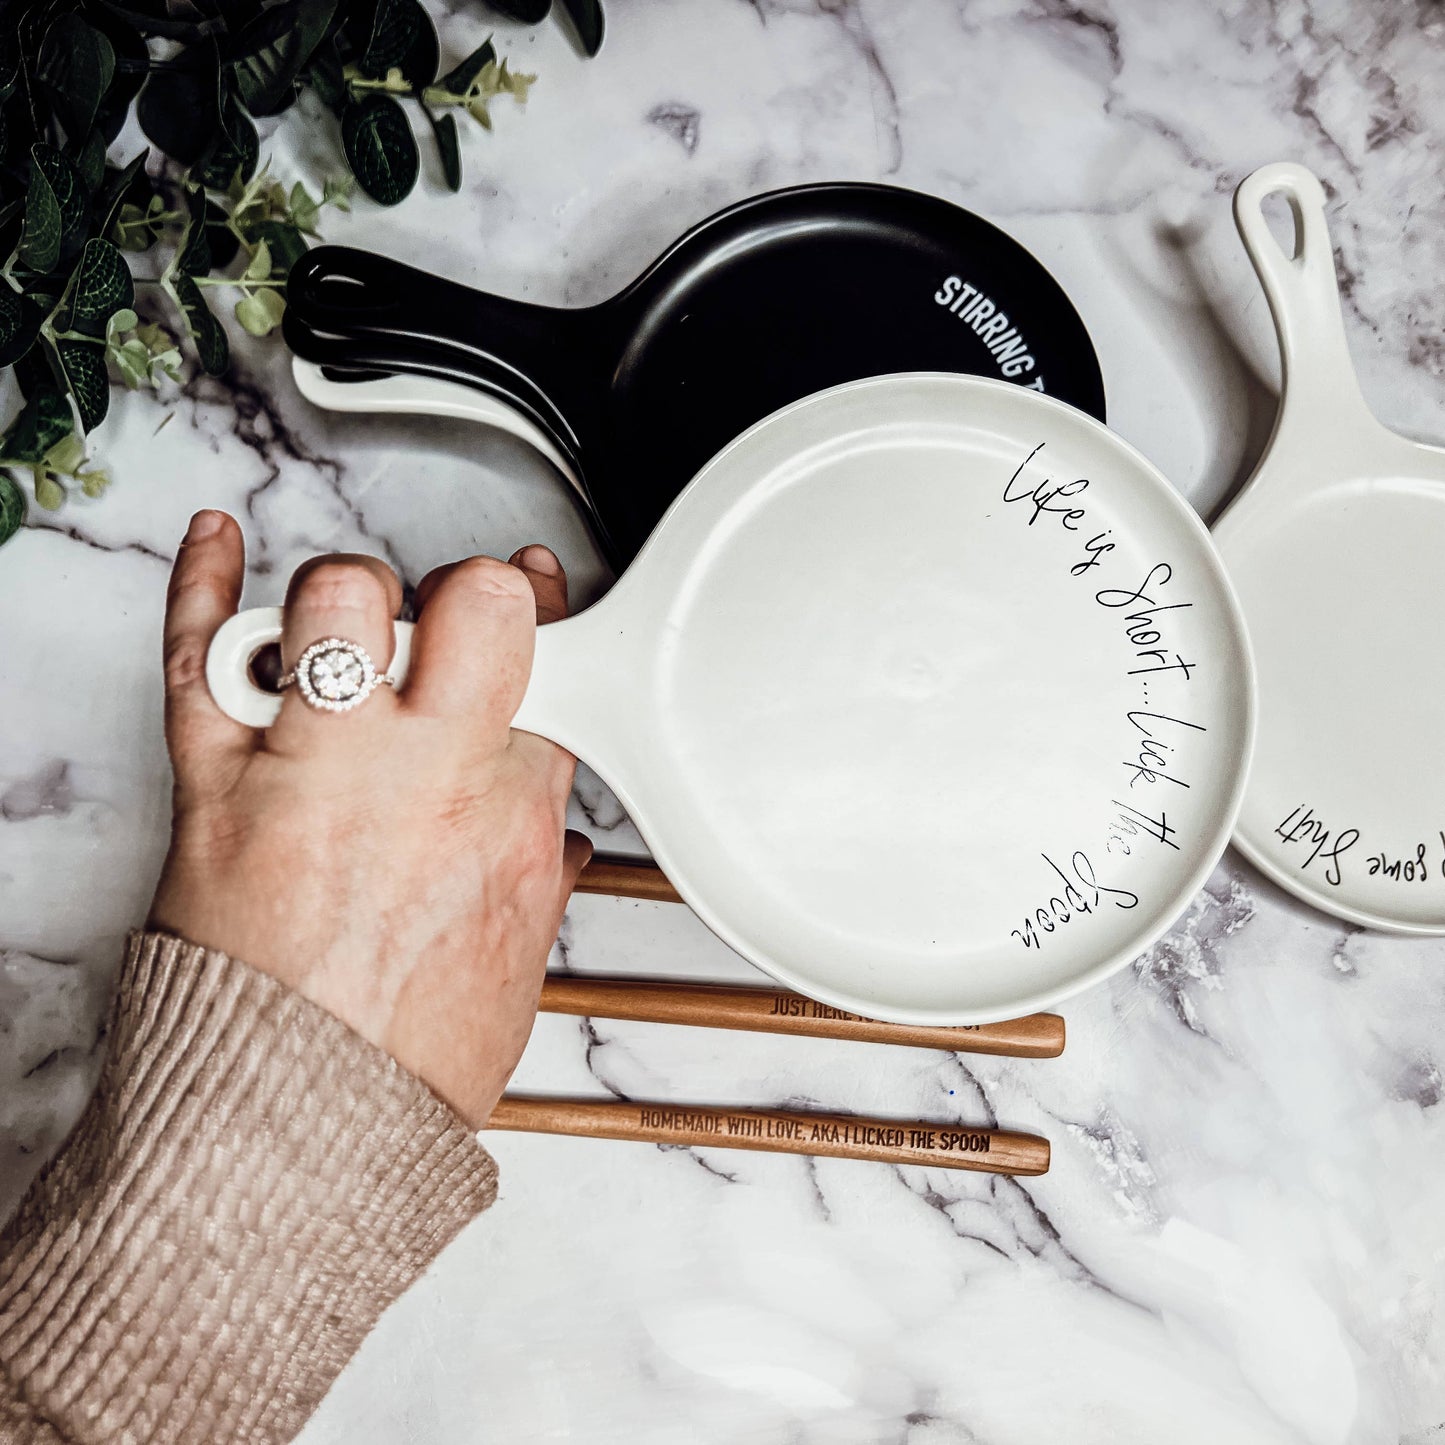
x: 558, y: 689
x: 1319, y: 384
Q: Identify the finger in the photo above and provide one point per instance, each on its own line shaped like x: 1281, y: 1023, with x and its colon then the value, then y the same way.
x: 576, y: 850
x: 345, y: 596
x: 471, y: 652
x: 428, y: 585
x: 549, y: 581
x: 204, y: 590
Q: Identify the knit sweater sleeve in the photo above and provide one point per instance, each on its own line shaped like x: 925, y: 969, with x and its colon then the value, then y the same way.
x: 250, y: 1187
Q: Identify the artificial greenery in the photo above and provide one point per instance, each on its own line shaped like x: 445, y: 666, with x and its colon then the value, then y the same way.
x: 210, y: 217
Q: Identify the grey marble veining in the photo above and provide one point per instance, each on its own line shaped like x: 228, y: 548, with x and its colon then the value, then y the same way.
x: 1241, y: 1237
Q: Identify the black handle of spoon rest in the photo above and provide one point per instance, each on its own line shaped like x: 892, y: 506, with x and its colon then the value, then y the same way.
x: 402, y: 319
x: 344, y: 359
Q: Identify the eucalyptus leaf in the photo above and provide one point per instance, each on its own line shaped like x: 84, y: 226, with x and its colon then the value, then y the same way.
x: 12, y: 507
x: 83, y: 363
x: 211, y: 344
x: 448, y: 148
x: 261, y: 312
x: 274, y: 50
x: 285, y: 246
x: 380, y: 148
x: 75, y: 69
x: 45, y: 418
x: 586, y: 17
x: 20, y: 320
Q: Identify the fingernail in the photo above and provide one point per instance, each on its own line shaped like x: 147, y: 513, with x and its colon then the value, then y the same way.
x: 540, y: 559
x: 205, y: 524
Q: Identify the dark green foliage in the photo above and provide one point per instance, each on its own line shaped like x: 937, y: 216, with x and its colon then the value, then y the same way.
x: 380, y: 148
x: 196, y: 73
x: 12, y: 507
x: 586, y: 17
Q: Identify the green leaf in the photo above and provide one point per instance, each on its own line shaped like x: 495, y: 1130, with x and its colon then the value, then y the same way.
x: 9, y: 66
x: 102, y: 286
x: 133, y: 360
x: 284, y: 243
x: 12, y: 507
x: 40, y: 243
x: 177, y: 109
x: 193, y: 250
x: 90, y: 162
x: 394, y: 26
x: 448, y: 147
x: 116, y: 191
x: 211, y: 344
x: 258, y: 268
x: 75, y: 69
x: 236, y: 150
x: 261, y: 312
x: 529, y: 12
x: 274, y: 50
x: 132, y: 66
x: 327, y: 77
x: 586, y: 17
x: 302, y: 207
x: 20, y: 320
x: 56, y: 209
x: 223, y: 240
x: 380, y: 148
x: 32, y: 372
x: 83, y: 363
x: 46, y: 418
x: 459, y: 80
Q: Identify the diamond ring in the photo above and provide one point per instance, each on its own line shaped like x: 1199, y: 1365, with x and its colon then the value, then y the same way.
x: 335, y: 675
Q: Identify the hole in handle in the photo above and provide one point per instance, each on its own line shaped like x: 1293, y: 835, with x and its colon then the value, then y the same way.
x: 1285, y: 221
x: 265, y: 668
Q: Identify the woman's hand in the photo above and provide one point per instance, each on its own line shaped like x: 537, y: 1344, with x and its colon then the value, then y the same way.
x: 405, y: 864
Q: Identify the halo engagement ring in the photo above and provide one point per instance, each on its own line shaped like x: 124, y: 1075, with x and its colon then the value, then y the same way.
x: 335, y: 675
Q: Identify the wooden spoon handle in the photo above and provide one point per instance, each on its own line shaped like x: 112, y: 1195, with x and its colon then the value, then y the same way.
x: 839, y: 1136
x: 625, y: 879
x: 776, y: 1011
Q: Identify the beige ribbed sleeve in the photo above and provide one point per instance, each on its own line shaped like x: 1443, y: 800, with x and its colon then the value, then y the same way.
x: 251, y: 1186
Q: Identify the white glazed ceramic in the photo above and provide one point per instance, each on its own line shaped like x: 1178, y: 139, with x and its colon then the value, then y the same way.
x: 1337, y: 549
x: 428, y: 396
x: 928, y: 693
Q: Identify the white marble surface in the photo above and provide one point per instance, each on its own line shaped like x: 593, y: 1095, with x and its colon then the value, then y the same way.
x: 1243, y: 1234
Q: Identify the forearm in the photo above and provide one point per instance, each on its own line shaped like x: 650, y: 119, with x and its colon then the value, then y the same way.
x: 251, y: 1186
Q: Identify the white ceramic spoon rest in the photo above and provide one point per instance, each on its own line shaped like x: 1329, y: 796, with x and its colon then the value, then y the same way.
x: 928, y: 694
x: 1337, y: 548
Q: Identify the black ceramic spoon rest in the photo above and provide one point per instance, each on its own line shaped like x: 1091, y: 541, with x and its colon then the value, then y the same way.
x: 768, y: 301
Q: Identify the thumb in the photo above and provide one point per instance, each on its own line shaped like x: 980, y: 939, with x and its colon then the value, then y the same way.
x: 576, y: 850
